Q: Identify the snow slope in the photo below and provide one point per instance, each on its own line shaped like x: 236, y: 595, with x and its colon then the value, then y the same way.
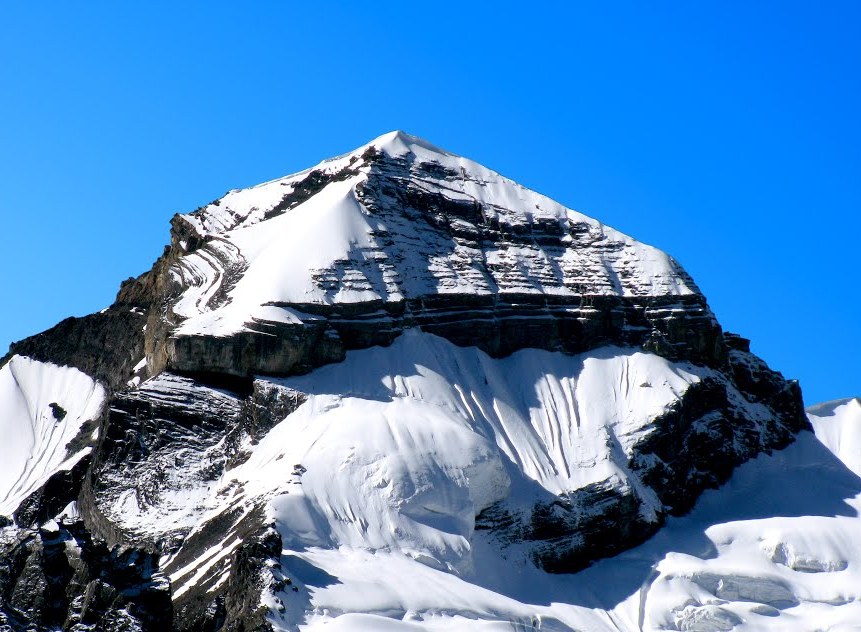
x: 398, y: 448
x: 374, y: 484
x: 42, y: 408
x: 774, y: 549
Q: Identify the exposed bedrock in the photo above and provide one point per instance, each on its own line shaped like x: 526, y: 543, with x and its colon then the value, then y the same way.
x: 676, y: 327
x: 59, y: 577
x: 164, y: 445
x: 106, y: 345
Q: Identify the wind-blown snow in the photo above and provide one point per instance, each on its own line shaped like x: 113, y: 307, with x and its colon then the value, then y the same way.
x: 33, y: 435
x: 330, y: 249
x: 401, y: 447
x: 553, y: 416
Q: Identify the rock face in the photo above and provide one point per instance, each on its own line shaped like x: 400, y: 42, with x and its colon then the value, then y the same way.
x: 165, y: 523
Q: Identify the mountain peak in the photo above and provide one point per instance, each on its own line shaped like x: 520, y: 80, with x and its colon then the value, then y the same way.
x: 400, y: 361
x: 399, y: 142
x: 393, y: 227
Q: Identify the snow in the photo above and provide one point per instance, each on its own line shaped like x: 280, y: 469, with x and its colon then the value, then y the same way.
x: 399, y: 448
x: 34, y: 439
x: 374, y: 483
x: 280, y: 244
x: 551, y: 415
x: 838, y: 425
x: 357, y: 256
x: 396, y: 449
x: 69, y: 513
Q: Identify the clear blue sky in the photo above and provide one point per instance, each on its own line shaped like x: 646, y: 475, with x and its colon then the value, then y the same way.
x: 726, y: 133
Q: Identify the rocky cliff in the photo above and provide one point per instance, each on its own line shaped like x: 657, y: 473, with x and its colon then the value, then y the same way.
x: 546, y: 382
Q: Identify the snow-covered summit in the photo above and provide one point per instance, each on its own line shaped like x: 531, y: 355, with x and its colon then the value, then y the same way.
x: 404, y: 233
x: 401, y: 219
x: 247, y: 206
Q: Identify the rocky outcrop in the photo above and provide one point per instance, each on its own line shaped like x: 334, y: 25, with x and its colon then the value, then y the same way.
x: 106, y: 345
x: 58, y: 577
x: 709, y: 432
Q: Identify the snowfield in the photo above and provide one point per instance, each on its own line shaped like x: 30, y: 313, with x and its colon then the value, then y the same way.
x: 774, y: 549
x: 423, y: 486
x: 42, y: 408
x: 374, y: 484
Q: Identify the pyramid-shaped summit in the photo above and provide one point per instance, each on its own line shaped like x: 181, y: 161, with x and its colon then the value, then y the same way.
x: 385, y: 385
x: 398, y: 233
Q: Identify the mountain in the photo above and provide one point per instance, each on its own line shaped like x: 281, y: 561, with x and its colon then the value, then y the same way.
x: 400, y: 391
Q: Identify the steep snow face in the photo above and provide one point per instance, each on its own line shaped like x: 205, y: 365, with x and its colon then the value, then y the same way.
x: 341, y: 240
x: 277, y: 261
x: 774, y: 549
x: 399, y: 448
x: 562, y: 422
x: 42, y: 408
